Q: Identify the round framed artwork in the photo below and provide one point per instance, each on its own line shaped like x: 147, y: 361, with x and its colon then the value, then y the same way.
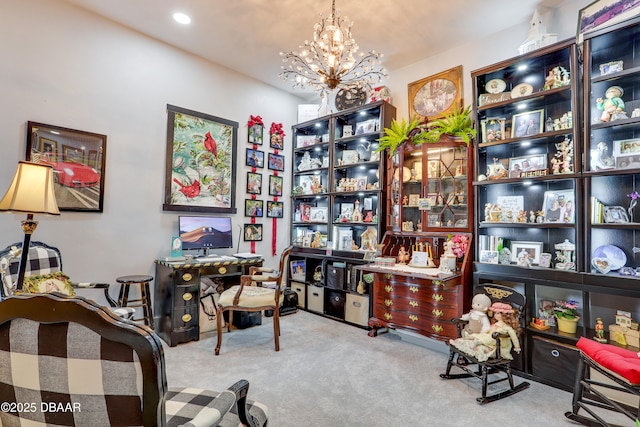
x: 435, y: 96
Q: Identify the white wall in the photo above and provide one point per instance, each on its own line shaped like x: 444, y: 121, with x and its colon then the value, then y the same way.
x: 64, y: 67
x: 481, y: 53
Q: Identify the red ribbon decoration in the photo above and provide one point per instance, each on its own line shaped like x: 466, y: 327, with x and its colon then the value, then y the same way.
x: 276, y: 128
x: 255, y: 120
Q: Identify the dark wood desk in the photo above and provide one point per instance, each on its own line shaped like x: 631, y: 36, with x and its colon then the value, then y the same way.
x: 177, y: 294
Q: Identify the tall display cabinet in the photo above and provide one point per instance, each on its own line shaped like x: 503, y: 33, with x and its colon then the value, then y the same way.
x: 338, y: 209
x: 554, y: 227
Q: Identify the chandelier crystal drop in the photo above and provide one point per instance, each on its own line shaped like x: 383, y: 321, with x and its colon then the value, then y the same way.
x: 331, y: 60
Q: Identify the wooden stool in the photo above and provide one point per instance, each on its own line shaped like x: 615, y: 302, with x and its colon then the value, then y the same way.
x: 145, y: 296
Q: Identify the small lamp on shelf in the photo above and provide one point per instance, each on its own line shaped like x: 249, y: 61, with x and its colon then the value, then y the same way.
x: 30, y: 192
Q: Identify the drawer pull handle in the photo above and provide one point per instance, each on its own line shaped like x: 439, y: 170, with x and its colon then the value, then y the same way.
x: 413, y: 303
x: 387, y: 316
x: 388, y: 288
x: 222, y: 270
x: 388, y: 302
x: 437, y: 328
x: 414, y: 289
x: 555, y: 353
x: 437, y: 313
x: 187, y: 296
x: 387, y: 276
x: 437, y: 282
x: 187, y: 277
x: 437, y: 297
x: 413, y: 317
x: 186, y: 318
x: 357, y: 304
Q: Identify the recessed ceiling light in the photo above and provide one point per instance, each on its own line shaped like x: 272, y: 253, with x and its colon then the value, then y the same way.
x: 181, y: 18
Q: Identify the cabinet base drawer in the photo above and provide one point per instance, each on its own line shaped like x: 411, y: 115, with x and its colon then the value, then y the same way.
x: 315, y: 298
x: 554, y: 361
x: 357, y: 309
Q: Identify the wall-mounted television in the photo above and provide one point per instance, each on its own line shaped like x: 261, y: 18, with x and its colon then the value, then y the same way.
x: 205, y: 232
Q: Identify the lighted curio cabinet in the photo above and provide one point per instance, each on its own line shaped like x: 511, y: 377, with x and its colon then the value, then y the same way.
x: 429, y: 187
x: 527, y: 183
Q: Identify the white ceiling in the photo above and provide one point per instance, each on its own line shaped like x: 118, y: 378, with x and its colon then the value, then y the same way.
x: 247, y: 35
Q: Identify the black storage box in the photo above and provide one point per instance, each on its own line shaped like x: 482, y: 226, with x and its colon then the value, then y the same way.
x: 334, y: 304
x: 335, y: 277
x: 289, y: 304
x: 246, y: 319
x: 555, y: 362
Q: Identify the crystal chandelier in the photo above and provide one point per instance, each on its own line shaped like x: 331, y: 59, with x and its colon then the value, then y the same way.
x: 330, y: 61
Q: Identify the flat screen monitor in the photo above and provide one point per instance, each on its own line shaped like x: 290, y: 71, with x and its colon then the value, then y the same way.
x: 205, y: 232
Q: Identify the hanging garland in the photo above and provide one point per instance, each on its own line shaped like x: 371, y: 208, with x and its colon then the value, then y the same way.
x: 276, y: 141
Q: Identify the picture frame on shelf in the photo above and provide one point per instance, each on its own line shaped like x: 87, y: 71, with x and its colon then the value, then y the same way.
x: 275, y: 185
x: 615, y: 215
x: 489, y: 257
x: 433, y: 169
x: 346, y: 210
x: 531, y: 249
x: 319, y: 214
x: 307, y: 184
x: 611, y: 67
x: 275, y: 162
x: 624, y: 147
x: 559, y: 206
x: 253, y: 208
x: 527, y: 124
x: 254, y: 183
x: 305, y: 211
x: 414, y: 200
x: 518, y: 166
x: 627, y: 162
x: 361, y: 183
x: 493, y: 129
x: 305, y: 140
x: 499, y: 169
x: 367, y: 126
x: 545, y: 260
x: 252, y: 232
x: 437, y: 95
x: 349, y: 157
x: 275, y: 209
x: 189, y: 149
x: 255, y: 158
x: 298, y: 270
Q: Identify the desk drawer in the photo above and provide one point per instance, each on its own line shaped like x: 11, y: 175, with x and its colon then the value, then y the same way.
x: 186, y: 296
x: 186, y: 317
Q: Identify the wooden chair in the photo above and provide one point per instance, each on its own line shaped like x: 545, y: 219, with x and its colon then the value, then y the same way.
x: 499, y: 364
x: 252, y: 295
x: 96, y: 368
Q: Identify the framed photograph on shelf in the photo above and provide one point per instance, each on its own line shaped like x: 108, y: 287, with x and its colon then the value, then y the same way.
x: 361, y: 183
x: 433, y: 169
x: 559, y: 206
x: 615, y: 215
x: 530, y: 250
x: 252, y: 232
x: 545, y: 260
x: 349, y: 157
x: 275, y: 162
x: 319, y: 214
x: 305, y: 140
x: 255, y: 158
x: 275, y: 185
x: 611, y: 67
x: 493, y: 129
x: 298, y: 270
x: 308, y: 184
x: 490, y: 257
x: 274, y: 209
x: 253, y: 207
x: 414, y: 200
x: 435, y: 96
x: 367, y: 126
x: 518, y: 165
x: 75, y: 171
x: 623, y: 147
x: 254, y: 183
x: 527, y: 124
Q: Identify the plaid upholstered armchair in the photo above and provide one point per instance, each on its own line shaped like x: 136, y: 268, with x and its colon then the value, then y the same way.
x: 44, y: 263
x: 96, y: 369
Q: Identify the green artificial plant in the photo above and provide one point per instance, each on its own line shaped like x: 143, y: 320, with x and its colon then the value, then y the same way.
x: 400, y: 132
x: 457, y: 123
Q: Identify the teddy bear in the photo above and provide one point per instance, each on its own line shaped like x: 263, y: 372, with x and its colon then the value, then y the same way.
x: 477, y: 317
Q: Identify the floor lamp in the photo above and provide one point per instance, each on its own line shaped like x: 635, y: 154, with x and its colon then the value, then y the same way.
x: 30, y: 192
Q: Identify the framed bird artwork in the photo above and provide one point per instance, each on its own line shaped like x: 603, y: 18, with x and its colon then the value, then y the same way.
x: 200, y: 165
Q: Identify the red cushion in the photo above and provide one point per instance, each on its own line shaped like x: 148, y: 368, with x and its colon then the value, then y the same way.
x: 623, y: 362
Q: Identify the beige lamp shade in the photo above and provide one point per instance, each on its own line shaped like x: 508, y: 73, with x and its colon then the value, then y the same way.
x: 31, y: 190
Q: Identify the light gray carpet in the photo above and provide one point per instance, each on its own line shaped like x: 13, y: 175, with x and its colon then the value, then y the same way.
x: 331, y: 374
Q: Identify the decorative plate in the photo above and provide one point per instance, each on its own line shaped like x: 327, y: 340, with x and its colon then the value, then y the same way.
x: 406, y: 174
x: 495, y: 86
x: 523, y: 89
x: 346, y: 98
x: 613, y: 254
